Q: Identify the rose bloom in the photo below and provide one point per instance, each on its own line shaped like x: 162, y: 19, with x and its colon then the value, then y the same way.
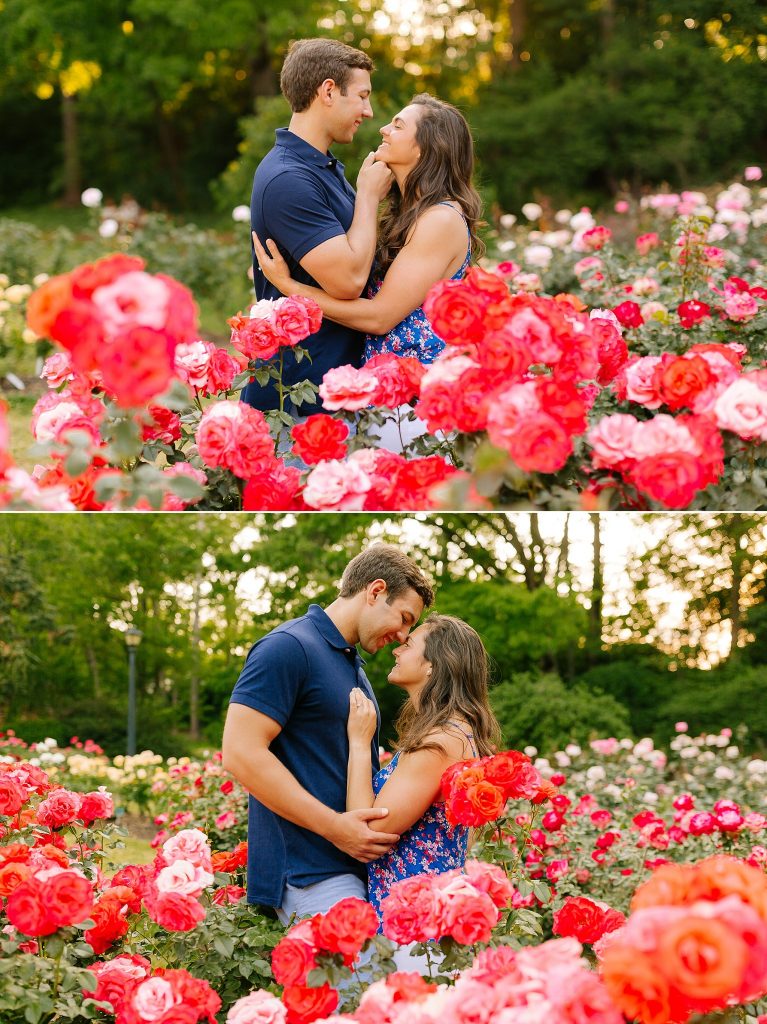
x: 692, y: 312
x: 184, y: 877
x: 629, y: 314
x: 346, y: 927
x: 306, y: 1004
x: 680, y: 380
x: 337, y: 485
x: 742, y: 408
x: 258, y: 1007
x: 412, y: 912
x: 96, y: 805
x: 645, y: 243
x: 234, y: 435
x: 585, y: 919
x: 612, y: 440
x: 61, y: 807
x: 741, y: 307
x: 469, y: 915
x: 318, y: 438
x: 191, y: 844
x: 345, y: 387
x: 137, y: 365
x: 174, y: 911
x: 673, y: 478
x: 596, y: 238
x: 273, y: 491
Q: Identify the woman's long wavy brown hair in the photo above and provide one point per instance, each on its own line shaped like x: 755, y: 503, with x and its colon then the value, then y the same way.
x: 456, y: 689
x: 444, y: 171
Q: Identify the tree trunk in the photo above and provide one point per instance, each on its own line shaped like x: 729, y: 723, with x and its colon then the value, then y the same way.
x: 263, y: 81
x: 93, y: 665
x: 71, y: 151
x: 194, y: 678
x: 597, y: 586
x: 170, y: 148
x: 517, y: 26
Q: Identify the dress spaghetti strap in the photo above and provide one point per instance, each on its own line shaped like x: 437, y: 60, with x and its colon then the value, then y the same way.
x: 467, y: 735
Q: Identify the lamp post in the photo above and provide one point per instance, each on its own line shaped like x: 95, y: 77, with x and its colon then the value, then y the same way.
x: 133, y: 638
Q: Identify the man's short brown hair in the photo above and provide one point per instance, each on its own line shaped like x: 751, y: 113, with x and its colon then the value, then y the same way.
x: 386, y: 562
x: 310, y: 61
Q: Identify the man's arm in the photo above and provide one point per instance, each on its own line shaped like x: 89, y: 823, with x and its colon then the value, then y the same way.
x: 341, y: 265
x: 247, y: 737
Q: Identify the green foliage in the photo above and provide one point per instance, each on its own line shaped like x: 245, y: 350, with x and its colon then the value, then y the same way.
x: 732, y: 695
x: 638, y: 677
x: 541, y: 711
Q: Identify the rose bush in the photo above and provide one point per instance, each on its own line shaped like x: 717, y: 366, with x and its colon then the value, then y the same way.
x: 652, y: 861
x: 586, y: 375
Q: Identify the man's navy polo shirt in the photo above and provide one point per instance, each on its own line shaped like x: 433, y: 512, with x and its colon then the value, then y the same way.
x: 301, y: 675
x: 301, y: 199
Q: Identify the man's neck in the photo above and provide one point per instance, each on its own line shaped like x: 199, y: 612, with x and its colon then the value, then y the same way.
x: 306, y: 127
x: 344, y: 618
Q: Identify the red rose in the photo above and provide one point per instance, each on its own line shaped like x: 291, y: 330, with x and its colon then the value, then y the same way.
x: 319, y: 437
x: 454, y: 313
x: 228, y: 894
x: 629, y: 314
x: 69, y: 898
x: 89, y: 276
x: 346, y: 927
x: 80, y: 331
x: 110, y: 923
x: 680, y: 380
x: 539, y: 444
x: 514, y: 773
x: 137, y: 365
x: 274, y: 491
x: 27, y: 910
x: 672, y: 478
x: 174, y: 911
x: 12, y: 796
x: 257, y: 338
x: 293, y: 956
x: 692, y: 312
x: 307, y: 1004
x: 162, y: 425
x: 613, y: 351
x: 586, y: 920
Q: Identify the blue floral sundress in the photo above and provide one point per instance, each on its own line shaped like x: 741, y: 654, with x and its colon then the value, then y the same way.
x: 429, y: 847
x: 413, y: 336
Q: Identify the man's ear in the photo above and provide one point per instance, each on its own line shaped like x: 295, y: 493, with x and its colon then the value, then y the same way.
x: 375, y: 590
x: 326, y: 92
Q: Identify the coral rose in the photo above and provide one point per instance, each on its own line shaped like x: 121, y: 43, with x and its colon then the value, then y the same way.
x: 305, y: 1004
x: 319, y: 437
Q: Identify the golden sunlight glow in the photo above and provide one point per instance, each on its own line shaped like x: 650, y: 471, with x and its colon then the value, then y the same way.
x: 44, y: 91
x: 127, y: 27
x: 79, y: 76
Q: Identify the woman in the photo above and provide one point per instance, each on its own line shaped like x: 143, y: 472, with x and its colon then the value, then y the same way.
x: 443, y: 669
x: 427, y: 232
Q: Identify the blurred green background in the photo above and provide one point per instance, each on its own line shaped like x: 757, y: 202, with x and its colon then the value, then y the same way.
x: 175, y: 102
x: 616, y: 624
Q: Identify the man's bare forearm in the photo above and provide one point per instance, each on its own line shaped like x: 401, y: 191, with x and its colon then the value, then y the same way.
x: 269, y: 781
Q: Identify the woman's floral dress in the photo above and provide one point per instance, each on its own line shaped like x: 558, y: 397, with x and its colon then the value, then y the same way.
x: 431, y: 846
x: 413, y: 336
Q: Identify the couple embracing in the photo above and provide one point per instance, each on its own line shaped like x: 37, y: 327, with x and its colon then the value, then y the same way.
x: 325, y: 822
x: 314, y: 236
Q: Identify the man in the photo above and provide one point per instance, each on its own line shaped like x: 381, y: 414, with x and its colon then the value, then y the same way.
x: 303, y: 202
x: 285, y: 737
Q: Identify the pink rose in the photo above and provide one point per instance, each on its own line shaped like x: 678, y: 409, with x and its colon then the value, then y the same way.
x: 345, y: 387
x: 192, y: 361
x: 133, y: 298
x: 337, y: 485
x: 753, y: 174
x: 57, y: 369
x: 640, y: 382
x: 741, y: 307
x: 98, y: 804
x: 258, y: 1007
x: 236, y: 436
x: 190, y: 844
x: 612, y: 440
x: 152, y: 998
x: 742, y: 408
x: 184, y: 877
x: 61, y: 807
x: 661, y: 435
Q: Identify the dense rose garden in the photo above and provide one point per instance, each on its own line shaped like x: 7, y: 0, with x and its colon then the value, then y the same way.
x: 581, y: 373
x: 617, y: 881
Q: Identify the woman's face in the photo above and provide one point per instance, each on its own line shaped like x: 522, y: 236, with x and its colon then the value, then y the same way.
x: 411, y: 669
x: 399, y: 148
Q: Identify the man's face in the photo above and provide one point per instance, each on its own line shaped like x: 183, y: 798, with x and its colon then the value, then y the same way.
x: 383, y: 623
x: 349, y: 110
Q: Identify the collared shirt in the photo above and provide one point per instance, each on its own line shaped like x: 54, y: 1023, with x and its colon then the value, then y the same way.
x: 301, y: 199
x: 301, y: 675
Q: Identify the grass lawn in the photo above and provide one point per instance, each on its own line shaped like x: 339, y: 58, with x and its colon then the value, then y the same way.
x: 136, y: 851
x: 20, y: 404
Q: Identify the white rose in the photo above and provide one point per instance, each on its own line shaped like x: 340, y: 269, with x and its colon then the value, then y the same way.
x: 532, y: 211
x: 92, y: 197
